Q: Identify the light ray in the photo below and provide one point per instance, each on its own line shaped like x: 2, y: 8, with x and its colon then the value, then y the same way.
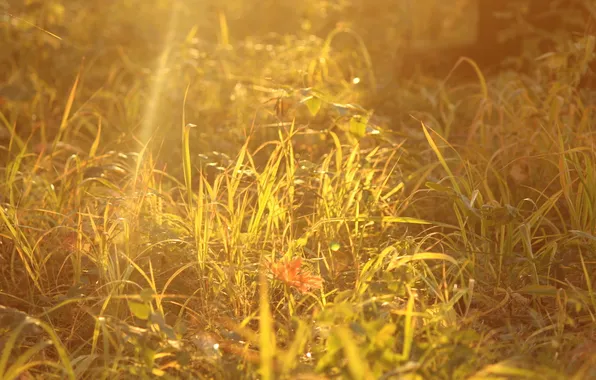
x: 161, y: 73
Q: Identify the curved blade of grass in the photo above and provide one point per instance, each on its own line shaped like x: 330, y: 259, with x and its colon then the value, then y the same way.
x: 67, y: 109
x: 95, y: 144
x: 476, y: 68
x: 504, y: 369
x: 441, y: 158
x: 33, y: 364
x: 418, y: 257
x: 19, y: 365
x: 9, y: 344
x: 186, y: 163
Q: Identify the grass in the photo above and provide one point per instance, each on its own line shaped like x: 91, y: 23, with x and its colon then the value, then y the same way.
x: 242, y: 228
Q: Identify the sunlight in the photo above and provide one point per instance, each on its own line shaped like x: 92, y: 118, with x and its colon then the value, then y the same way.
x: 402, y: 189
x: 160, y: 75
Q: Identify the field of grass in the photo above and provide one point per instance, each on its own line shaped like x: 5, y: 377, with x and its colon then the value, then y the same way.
x: 273, y: 208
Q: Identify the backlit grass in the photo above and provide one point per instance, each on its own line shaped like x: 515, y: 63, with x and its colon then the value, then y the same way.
x: 242, y: 210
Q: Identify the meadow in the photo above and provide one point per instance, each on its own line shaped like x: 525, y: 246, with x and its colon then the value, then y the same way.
x: 197, y: 198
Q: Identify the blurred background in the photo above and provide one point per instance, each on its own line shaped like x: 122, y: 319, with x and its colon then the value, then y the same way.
x: 136, y: 58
